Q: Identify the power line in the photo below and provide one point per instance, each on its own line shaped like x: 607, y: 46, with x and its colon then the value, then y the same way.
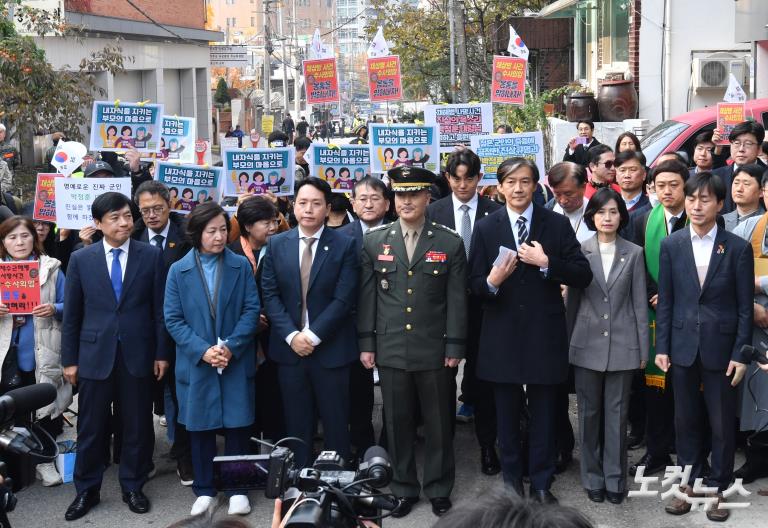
x: 161, y: 26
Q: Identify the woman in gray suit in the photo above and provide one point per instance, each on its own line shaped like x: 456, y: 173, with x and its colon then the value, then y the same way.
x: 608, y: 323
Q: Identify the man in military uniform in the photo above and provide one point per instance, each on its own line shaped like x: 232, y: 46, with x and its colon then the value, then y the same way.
x: 412, y: 319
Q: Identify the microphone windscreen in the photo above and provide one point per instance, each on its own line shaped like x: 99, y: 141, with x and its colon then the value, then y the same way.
x: 32, y: 397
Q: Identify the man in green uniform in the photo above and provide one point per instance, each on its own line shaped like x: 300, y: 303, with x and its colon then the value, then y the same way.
x: 412, y: 316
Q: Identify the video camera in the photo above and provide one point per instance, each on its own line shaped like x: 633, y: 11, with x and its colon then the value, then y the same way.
x: 323, y: 495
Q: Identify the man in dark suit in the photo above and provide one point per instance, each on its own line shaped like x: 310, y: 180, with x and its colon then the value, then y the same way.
x: 370, y: 199
x: 163, y: 229
x: 746, y: 139
x: 461, y: 211
x: 704, y: 317
x: 309, y: 285
x: 630, y: 176
x: 113, y: 340
x: 578, y: 147
x: 524, y: 338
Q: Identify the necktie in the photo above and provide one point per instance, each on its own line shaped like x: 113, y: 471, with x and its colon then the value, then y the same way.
x: 672, y: 222
x: 522, y: 231
x: 410, y: 244
x: 158, y: 240
x: 466, y: 228
x: 116, y: 275
x: 306, y: 268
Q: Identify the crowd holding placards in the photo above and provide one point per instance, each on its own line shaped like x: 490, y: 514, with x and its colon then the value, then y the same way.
x: 638, y: 290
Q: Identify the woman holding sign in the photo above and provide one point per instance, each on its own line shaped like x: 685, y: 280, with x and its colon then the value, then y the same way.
x: 30, y: 337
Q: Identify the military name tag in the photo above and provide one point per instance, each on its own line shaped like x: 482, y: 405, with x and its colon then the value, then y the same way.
x: 388, y: 258
x: 435, y: 256
x: 384, y: 284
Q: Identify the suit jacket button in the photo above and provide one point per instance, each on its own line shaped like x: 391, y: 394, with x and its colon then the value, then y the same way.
x: 410, y: 273
x: 605, y: 316
x: 605, y: 333
x: 410, y: 291
x: 605, y: 299
x: 435, y: 272
x: 408, y: 327
x: 409, y: 309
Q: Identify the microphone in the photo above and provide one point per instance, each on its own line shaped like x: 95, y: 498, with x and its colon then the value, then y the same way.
x: 751, y: 353
x: 25, y: 400
x: 376, y: 466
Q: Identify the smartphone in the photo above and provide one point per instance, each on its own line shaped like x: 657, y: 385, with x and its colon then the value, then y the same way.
x: 580, y: 140
x: 240, y: 472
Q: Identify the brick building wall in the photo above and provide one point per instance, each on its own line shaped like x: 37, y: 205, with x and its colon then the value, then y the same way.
x: 634, y: 41
x: 182, y: 13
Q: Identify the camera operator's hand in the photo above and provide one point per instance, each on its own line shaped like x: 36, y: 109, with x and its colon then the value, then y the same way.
x: 277, y: 514
x: 70, y: 374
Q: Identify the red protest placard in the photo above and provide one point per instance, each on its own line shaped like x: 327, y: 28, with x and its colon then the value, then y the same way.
x: 45, y: 198
x: 384, y: 82
x: 508, y: 84
x: 20, y: 285
x: 728, y: 116
x: 321, y: 81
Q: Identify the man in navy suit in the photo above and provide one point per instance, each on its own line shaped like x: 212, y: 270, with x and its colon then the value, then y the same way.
x: 461, y: 211
x: 309, y: 285
x: 113, y: 341
x: 703, y: 318
x: 746, y: 139
x: 524, y: 340
x: 370, y: 200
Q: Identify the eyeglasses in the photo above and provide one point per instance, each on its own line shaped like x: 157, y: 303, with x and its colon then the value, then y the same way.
x: 746, y: 144
x: 608, y: 164
x: 156, y: 210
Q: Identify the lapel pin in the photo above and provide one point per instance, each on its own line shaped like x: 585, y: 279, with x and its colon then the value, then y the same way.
x: 171, y: 244
x: 325, y: 248
x: 721, y: 249
x: 429, y: 233
x: 622, y: 259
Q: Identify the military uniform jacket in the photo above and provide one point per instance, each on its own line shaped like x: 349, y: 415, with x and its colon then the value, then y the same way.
x: 413, y: 315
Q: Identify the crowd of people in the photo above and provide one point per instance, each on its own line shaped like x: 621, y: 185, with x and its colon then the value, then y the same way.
x: 638, y: 290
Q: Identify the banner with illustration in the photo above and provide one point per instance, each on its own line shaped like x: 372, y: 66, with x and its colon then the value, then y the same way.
x: 496, y: 148
x: 728, y: 116
x: 190, y: 185
x: 321, y: 81
x: 508, y: 80
x: 384, y: 81
x: 44, y: 209
x: 259, y: 170
x: 20, y: 286
x: 117, y: 126
x: 341, y: 166
x: 404, y: 144
x: 177, y: 140
x: 74, y: 197
x: 459, y: 122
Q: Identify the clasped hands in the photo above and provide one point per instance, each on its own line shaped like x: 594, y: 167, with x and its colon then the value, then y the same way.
x: 302, y: 344
x: 217, y: 356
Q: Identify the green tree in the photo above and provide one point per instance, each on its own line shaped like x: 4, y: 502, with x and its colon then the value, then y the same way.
x: 34, y: 95
x: 221, y: 97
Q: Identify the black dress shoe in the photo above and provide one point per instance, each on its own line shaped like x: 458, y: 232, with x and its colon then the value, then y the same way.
x: 635, y: 441
x: 597, y: 495
x: 440, y: 505
x: 136, y: 500
x: 563, y: 461
x: 652, y: 465
x: 543, y: 496
x: 405, y: 504
x: 615, y: 497
x: 751, y: 471
x: 82, y: 504
x: 489, y: 461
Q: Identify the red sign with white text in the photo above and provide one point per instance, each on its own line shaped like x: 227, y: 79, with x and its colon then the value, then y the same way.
x: 384, y: 81
x: 508, y: 82
x: 45, y: 198
x: 20, y: 285
x: 321, y: 81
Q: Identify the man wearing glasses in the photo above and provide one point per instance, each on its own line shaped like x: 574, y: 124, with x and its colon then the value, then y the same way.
x: 601, y: 170
x: 161, y: 228
x: 745, y: 139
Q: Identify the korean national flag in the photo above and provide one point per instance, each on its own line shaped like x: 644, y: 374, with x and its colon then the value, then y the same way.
x: 379, y: 46
x: 734, y: 93
x: 516, y: 47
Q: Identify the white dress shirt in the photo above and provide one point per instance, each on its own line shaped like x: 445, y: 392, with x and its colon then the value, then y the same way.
x: 302, y: 246
x: 458, y: 214
x: 577, y: 220
x: 152, y: 234
x: 123, y: 258
x: 702, y: 251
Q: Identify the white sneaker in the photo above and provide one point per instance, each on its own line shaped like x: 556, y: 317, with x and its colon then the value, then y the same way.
x: 239, y: 505
x: 201, y: 505
x: 48, y: 475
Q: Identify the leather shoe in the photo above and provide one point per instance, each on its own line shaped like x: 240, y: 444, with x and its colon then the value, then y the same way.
x: 615, y: 497
x: 635, y: 441
x: 750, y: 472
x: 136, y: 500
x: 652, y: 465
x: 543, y: 496
x: 563, y: 461
x: 597, y: 495
x: 489, y: 461
x: 404, y: 506
x: 440, y: 505
x: 82, y: 504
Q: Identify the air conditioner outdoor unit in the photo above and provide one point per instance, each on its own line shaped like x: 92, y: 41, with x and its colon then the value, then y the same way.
x: 709, y: 73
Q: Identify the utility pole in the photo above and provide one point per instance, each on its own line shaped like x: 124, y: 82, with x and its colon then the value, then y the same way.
x: 452, y: 36
x: 296, y: 61
x: 461, y: 45
x: 284, y: 57
x: 267, y: 53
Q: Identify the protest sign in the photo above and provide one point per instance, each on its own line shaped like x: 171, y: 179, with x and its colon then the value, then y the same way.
x: 728, y: 116
x: 508, y: 81
x: 384, y: 81
x: 341, y: 166
x: 117, y: 126
x: 267, y: 125
x: 74, y: 197
x: 68, y: 156
x: 20, y: 285
x: 45, y: 198
x: 494, y: 149
x: 459, y: 122
x: 177, y: 140
x: 404, y: 144
x: 228, y: 143
x: 190, y: 185
x: 321, y: 81
x: 259, y: 170
x: 203, y: 152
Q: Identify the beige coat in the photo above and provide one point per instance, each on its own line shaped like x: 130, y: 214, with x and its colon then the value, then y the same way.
x: 47, y: 342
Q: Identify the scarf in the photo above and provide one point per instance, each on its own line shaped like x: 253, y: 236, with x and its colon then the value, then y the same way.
x: 655, y: 232
x: 248, y: 252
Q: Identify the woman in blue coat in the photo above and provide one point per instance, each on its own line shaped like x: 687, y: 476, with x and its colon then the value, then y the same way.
x: 212, y: 312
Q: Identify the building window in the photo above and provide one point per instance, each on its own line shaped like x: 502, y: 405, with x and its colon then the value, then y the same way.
x: 234, y: 20
x: 614, y: 30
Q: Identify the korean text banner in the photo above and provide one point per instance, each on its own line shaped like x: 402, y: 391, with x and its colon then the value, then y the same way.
x: 459, y: 122
x: 384, y: 81
x: 45, y: 198
x: 508, y: 83
x: 728, y: 116
x: 341, y: 166
x: 404, y: 144
x: 259, y: 170
x: 20, y: 285
x: 177, y: 140
x: 190, y: 185
x: 321, y: 81
x: 116, y: 127
x: 494, y: 149
x: 74, y: 197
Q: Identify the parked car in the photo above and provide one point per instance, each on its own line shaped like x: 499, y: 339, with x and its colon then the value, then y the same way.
x: 677, y: 134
